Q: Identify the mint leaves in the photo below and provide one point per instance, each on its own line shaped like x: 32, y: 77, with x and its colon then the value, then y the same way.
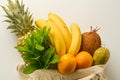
x: 37, y: 53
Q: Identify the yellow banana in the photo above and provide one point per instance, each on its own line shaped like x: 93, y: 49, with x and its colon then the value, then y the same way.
x: 42, y: 23
x: 58, y: 38
x: 63, y: 28
x: 76, y: 39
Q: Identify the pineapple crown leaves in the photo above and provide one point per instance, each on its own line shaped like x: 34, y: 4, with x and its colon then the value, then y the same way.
x: 19, y: 18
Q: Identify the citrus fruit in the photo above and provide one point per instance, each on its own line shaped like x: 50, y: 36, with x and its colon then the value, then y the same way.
x: 84, y: 60
x: 67, y: 64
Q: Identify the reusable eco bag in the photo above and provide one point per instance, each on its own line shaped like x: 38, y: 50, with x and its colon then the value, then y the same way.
x: 91, y: 73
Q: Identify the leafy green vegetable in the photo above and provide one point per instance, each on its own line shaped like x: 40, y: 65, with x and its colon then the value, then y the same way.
x: 39, y: 47
x: 37, y: 53
x: 55, y: 59
x: 47, y: 56
x: 30, y: 68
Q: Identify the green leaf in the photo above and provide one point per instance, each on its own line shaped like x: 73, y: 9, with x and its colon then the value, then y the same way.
x: 39, y: 47
x: 47, y: 56
x: 53, y: 62
x: 55, y: 59
x: 21, y: 48
x: 9, y: 21
x: 30, y: 68
x: 11, y: 27
x: 28, y: 57
x: 28, y: 42
x: 36, y: 58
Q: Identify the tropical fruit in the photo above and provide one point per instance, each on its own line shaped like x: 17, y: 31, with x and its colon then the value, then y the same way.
x: 20, y: 19
x: 76, y: 39
x: 90, y: 41
x: 101, y: 56
x: 63, y: 28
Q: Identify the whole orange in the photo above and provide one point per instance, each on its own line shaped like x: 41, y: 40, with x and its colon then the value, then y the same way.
x: 67, y: 64
x: 84, y: 60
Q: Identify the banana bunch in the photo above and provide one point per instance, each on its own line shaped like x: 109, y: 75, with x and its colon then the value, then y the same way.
x: 65, y: 41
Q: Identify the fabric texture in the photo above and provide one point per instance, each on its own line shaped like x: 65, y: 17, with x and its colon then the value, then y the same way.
x: 91, y: 73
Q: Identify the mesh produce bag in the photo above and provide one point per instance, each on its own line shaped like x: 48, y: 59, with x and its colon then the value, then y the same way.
x: 91, y: 73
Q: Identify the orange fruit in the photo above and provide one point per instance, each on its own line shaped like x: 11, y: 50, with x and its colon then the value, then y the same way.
x: 67, y: 64
x: 84, y: 60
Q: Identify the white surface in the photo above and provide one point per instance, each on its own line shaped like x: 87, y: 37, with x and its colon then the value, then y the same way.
x: 103, y: 13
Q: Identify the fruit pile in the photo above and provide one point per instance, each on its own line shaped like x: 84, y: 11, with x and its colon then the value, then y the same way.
x: 51, y: 45
x: 76, y: 50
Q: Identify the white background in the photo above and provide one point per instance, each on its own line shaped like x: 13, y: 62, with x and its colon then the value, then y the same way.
x: 102, y: 13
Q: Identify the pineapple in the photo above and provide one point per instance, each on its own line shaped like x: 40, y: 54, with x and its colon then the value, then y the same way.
x: 20, y: 19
